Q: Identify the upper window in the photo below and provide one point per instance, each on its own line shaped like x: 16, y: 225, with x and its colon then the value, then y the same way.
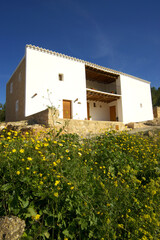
x: 17, y: 105
x: 20, y: 76
x: 11, y: 87
x: 61, y: 77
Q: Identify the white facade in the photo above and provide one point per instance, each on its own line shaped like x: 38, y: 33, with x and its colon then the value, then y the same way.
x: 136, y: 100
x: 92, y: 91
x: 42, y: 74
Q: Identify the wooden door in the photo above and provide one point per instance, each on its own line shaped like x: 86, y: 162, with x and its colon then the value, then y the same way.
x: 88, y: 113
x: 113, y: 113
x: 67, y: 109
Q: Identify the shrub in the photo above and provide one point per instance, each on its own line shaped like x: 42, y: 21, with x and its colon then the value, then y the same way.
x: 106, y: 187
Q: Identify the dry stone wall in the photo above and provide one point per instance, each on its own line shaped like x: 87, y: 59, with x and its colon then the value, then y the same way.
x: 156, y: 112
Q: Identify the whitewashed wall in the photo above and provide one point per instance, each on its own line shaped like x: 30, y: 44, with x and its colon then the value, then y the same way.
x: 42, y: 70
x: 102, y: 110
x: 136, y: 100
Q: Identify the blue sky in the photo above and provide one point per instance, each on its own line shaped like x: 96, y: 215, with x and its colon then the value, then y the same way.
x: 120, y: 34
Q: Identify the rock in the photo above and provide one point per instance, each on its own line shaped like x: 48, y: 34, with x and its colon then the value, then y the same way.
x: 150, y: 134
x: 11, y: 228
x: 154, y: 122
x: 130, y: 125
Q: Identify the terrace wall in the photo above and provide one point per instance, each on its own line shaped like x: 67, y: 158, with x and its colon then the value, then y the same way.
x: 81, y: 127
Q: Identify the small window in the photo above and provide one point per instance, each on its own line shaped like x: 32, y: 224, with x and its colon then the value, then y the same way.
x: 61, y: 77
x: 20, y: 76
x: 94, y: 104
x: 141, y: 105
x: 17, y: 105
x: 11, y: 87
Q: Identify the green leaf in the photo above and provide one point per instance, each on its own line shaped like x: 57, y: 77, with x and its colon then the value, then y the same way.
x: 24, y: 203
x: 91, y: 233
x: 66, y: 233
x: 46, y: 234
x: 32, y: 211
x: 59, y: 216
x: 6, y: 187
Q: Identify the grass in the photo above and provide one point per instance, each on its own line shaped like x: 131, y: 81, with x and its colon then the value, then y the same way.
x: 106, y: 187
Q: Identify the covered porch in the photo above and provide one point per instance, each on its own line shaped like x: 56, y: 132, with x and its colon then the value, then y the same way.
x: 102, y: 106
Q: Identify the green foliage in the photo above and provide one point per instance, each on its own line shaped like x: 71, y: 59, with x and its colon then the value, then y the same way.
x: 155, y: 96
x: 107, y: 187
x: 2, y: 112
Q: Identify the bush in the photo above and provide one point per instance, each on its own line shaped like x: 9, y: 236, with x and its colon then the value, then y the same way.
x: 107, y: 187
x: 2, y: 112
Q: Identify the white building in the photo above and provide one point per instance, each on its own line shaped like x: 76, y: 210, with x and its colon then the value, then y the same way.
x: 78, y: 89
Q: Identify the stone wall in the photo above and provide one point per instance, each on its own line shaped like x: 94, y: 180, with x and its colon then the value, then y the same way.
x: 40, y: 117
x: 156, y: 112
x: 15, y: 94
x: 87, y: 127
x: 81, y: 127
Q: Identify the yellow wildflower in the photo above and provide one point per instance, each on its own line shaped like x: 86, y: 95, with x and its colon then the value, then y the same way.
x: 56, y: 194
x: 57, y: 182
x: 21, y: 150
x: 120, y: 225
x: 46, y: 144
x: 29, y: 158
x: 18, y: 172
x: 37, y: 217
x: 116, y: 184
x: 108, y: 221
x: 13, y: 150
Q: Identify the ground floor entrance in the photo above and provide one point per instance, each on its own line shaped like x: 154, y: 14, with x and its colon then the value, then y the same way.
x: 67, y: 109
x: 112, y: 111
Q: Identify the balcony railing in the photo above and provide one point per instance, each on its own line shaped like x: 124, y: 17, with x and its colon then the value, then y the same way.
x: 108, y: 89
